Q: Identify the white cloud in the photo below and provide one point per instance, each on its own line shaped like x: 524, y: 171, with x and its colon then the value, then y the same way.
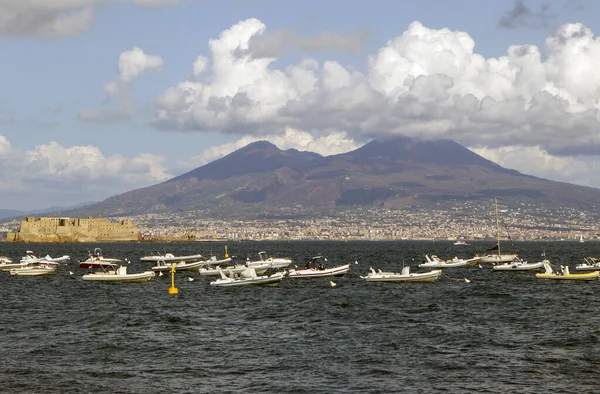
x: 111, y: 89
x: 135, y: 62
x: 131, y: 64
x: 56, y: 18
x: 425, y: 82
x: 81, y: 173
x: 537, y: 162
x: 273, y: 44
x: 5, y: 147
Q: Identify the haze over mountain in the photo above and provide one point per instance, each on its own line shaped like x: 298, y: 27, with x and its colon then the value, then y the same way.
x: 393, y: 173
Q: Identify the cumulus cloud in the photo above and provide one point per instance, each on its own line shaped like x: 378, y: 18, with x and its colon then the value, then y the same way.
x: 537, y: 162
x: 135, y: 62
x: 275, y: 43
x: 426, y: 82
x: 82, y: 173
x: 131, y: 65
x: 55, y: 18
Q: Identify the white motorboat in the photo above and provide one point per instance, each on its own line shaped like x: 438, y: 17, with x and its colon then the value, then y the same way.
x: 34, y: 270
x: 4, y: 259
x: 30, y: 258
x: 405, y: 276
x: 518, y: 265
x: 589, y: 264
x: 170, y: 258
x: 311, y: 270
x: 435, y: 262
x: 162, y: 265
x: 120, y: 275
x: 459, y: 242
x: 246, y: 277
x: 236, y: 269
x: 97, y: 260
x: 274, y: 262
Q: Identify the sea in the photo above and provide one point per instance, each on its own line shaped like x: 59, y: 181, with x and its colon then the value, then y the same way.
x: 495, y: 333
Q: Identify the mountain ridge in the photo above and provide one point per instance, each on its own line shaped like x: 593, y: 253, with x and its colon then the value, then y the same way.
x: 392, y: 173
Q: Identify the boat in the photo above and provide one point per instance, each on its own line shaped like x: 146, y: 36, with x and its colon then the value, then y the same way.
x: 581, y: 238
x: 564, y: 274
x: 119, y: 275
x: 311, y: 270
x: 518, y: 265
x: 459, y: 242
x: 435, y: 262
x: 497, y: 258
x: 31, y: 258
x: 275, y: 262
x: 246, y: 278
x: 405, y: 276
x: 589, y: 264
x: 162, y: 265
x: 7, y: 265
x: 236, y: 269
x: 97, y: 261
x: 214, y: 261
x: 169, y: 258
x: 34, y: 270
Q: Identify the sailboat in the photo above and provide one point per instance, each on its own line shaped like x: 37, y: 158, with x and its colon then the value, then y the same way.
x: 497, y: 257
x: 581, y: 238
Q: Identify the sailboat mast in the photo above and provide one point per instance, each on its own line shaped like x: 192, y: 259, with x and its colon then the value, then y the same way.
x: 497, y: 225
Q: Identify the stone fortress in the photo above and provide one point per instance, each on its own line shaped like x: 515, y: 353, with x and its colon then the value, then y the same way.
x: 46, y: 229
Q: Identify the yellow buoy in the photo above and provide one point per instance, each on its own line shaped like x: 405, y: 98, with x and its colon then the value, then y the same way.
x: 226, y: 255
x: 173, y: 289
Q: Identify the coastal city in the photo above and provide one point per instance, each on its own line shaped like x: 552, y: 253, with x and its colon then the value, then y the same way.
x: 466, y: 220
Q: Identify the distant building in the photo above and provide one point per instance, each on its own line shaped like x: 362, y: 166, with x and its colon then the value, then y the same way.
x: 74, y: 230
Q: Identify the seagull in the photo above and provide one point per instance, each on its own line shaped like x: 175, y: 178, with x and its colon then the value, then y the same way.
x: 468, y: 281
x: 480, y: 266
x: 332, y: 283
x: 355, y: 262
x: 70, y: 272
x: 160, y: 273
x: 190, y: 279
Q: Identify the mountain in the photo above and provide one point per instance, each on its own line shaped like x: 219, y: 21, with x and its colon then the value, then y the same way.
x: 260, y: 179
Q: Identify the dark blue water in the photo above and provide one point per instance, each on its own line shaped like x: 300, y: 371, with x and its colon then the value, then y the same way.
x: 503, y: 332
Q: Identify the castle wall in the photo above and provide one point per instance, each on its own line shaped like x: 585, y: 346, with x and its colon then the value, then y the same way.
x: 74, y: 230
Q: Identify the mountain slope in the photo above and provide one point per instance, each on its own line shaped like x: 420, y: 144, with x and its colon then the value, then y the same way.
x: 392, y: 173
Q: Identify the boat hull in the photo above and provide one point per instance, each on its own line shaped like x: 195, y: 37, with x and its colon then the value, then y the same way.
x: 518, y: 267
x: 170, y: 258
x: 502, y: 258
x: 587, y: 268
x: 271, y: 280
x: 33, y: 271
x: 97, y: 265
x: 586, y: 276
x: 317, y: 273
x: 425, y: 277
x: 237, y: 269
x: 113, y: 277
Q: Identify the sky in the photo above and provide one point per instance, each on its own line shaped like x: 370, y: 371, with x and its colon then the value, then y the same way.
x: 99, y: 97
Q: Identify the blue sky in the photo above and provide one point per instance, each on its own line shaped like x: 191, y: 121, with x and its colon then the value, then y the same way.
x: 100, y: 96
